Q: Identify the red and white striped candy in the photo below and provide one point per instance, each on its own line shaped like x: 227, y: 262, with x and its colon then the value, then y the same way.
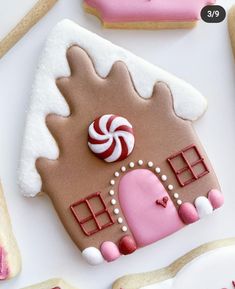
x: 111, y: 138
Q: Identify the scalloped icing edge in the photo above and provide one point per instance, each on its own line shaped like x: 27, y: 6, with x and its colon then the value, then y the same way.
x: 189, y: 104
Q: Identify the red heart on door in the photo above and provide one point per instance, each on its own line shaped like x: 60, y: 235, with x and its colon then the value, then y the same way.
x: 162, y: 202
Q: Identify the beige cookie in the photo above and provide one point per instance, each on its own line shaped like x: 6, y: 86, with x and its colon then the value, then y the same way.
x: 29, y: 14
x: 147, y: 14
x: 231, y: 26
x: 10, y: 260
x: 209, y: 266
x: 51, y: 284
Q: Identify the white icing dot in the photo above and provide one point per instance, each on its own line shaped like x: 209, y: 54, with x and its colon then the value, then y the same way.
x: 124, y: 228
x: 116, y: 174
x: 113, y: 202
x: 92, y: 255
x: 164, y: 178
x: 170, y: 187
x: 140, y: 162
x: 150, y: 164
x: 116, y: 211
x: 131, y: 165
x: 111, y: 192
x: 158, y: 170
x: 112, y: 182
x: 123, y: 169
x: 176, y: 196
x: 120, y: 220
x: 179, y: 202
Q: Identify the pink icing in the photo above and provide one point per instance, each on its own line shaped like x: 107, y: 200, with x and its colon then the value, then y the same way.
x: 110, y: 251
x: 216, y: 198
x: 148, y: 222
x: 4, y: 271
x: 188, y: 213
x: 148, y: 10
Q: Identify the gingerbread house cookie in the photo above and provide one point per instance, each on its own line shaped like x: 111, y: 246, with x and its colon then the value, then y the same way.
x: 147, y: 14
x: 109, y: 138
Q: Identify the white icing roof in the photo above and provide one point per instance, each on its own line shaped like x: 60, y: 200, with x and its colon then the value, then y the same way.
x: 38, y: 142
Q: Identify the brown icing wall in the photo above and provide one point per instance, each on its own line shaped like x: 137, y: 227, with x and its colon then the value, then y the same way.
x: 78, y: 172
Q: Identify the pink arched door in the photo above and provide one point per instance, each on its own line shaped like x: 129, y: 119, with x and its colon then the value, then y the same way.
x: 147, y: 207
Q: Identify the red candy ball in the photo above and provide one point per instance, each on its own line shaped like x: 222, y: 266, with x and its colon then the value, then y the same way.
x: 127, y: 245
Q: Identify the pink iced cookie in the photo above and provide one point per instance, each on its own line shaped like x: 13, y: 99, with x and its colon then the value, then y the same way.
x: 10, y: 261
x: 4, y: 271
x: 147, y: 14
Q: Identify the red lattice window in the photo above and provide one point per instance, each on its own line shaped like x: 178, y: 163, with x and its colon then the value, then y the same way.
x: 188, y: 165
x: 92, y: 214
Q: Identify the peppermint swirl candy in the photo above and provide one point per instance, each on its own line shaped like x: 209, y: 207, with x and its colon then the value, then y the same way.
x: 111, y: 138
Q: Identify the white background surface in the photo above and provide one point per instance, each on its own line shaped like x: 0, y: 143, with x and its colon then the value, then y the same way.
x: 202, y: 57
x: 10, y: 15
